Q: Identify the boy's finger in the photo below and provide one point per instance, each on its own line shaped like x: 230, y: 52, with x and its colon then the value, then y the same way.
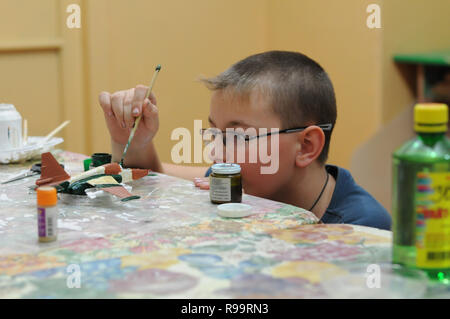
x: 117, y: 108
x: 138, y: 99
x: 127, y: 109
x: 204, y: 185
x: 149, y: 112
x: 105, y: 102
x: 197, y: 181
x: 152, y: 98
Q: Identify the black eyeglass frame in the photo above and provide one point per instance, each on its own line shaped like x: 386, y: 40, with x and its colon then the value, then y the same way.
x: 324, y: 127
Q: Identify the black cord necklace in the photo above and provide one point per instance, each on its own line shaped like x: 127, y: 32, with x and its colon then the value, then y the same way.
x: 320, y: 195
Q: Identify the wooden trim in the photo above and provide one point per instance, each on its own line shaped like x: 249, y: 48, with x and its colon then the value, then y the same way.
x: 31, y: 45
x: 420, y: 83
x: 98, y: 72
x: 72, y: 77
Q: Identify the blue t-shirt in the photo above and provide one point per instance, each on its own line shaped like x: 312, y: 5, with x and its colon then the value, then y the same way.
x: 351, y: 204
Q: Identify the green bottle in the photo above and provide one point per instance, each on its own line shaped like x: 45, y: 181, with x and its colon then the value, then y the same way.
x: 421, y: 195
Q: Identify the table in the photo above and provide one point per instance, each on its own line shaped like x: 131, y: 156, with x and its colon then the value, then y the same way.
x: 171, y: 244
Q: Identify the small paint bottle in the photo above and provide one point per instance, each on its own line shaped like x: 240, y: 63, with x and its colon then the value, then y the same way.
x: 47, y: 214
x: 225, y: 183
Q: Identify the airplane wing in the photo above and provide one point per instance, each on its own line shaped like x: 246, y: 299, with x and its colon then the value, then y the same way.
x: 120, y: 192
x: 51, y: 171
x: 110, y: 185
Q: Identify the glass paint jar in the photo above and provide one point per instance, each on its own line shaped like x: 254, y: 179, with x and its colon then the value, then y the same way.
x: 10, y: 127
x: 96, y: 160
x: 225, y: 183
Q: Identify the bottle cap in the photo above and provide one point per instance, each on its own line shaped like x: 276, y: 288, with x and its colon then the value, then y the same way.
x: 7, y: 107
x: 234, y: 210
x: 226, y: 168
x: 430, y: 117
x: 46, y: 196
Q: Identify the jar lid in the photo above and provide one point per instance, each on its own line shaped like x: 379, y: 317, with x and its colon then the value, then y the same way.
x: 46, y: 196
x: 226, y: 168
x: 234, y: 210
x: 7, y: 107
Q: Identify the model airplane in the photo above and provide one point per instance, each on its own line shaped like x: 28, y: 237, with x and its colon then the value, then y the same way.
x: 106, y: 177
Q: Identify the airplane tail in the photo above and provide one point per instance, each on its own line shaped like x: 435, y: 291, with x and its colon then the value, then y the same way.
x: 51, y: 171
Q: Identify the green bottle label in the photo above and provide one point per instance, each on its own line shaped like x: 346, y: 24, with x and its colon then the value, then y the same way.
x: 433, y: 220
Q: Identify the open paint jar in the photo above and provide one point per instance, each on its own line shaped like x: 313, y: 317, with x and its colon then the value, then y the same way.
x: 96, y: 160
x: 225, y: 183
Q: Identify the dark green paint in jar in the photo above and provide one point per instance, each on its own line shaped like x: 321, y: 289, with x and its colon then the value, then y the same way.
x: 225, y: 183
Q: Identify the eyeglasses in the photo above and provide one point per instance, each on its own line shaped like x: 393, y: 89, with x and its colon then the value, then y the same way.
x: 236, y: 136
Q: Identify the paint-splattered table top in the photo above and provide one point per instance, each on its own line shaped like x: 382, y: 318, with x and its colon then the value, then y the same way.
x: 171, y: 244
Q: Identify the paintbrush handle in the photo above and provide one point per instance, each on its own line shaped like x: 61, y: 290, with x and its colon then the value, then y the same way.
x: 131, y: 135
x: 25, y: 132
x: 56, y: 130
x: 151, y: 84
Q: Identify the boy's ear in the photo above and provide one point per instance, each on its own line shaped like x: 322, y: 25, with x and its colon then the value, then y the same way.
x: 312, y: 141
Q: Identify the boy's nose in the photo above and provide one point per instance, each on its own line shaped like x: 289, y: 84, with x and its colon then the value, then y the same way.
x: 217, y: 156
x: 222, y: 155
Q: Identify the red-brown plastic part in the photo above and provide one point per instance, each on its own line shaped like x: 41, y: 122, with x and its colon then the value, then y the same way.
x: 51, y: 171
x: 137, y: 173
x: 119, y: 191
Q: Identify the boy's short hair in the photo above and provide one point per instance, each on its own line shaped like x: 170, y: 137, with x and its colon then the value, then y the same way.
x: 300, y: 91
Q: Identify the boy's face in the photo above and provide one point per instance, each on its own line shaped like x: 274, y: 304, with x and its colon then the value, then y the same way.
x: 229, y: 110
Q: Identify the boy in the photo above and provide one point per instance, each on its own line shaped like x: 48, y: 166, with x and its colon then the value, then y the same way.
x: 276, y: 89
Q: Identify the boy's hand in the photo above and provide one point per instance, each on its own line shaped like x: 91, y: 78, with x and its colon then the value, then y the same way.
x: 202, y: 182
x: 121, y: 110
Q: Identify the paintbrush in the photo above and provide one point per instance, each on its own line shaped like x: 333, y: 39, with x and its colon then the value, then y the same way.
x: 136, y: 123
x: 25, y: 132
x: 56, y: 130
